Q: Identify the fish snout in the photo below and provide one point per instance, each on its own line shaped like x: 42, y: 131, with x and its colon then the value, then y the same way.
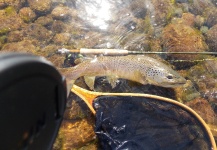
x: 178, y: 82
x: 175, y: 82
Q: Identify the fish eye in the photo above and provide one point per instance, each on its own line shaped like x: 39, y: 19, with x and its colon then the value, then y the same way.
x: 169, y: 77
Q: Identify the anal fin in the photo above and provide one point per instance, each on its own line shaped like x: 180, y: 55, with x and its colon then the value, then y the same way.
x: 112, y: 80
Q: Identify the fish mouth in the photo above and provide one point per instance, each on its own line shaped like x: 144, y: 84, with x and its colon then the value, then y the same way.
x: 178, y: 84
x: 175, y: 84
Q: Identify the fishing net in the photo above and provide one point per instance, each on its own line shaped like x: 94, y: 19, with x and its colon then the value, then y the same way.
x: 142, y: 123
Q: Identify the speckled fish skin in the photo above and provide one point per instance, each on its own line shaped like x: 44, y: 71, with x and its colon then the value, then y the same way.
x: 139, y: 68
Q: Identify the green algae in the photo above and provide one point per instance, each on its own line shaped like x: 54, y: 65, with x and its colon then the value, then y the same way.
x: 4, y: 30
x: 10, y: 11
x: 26, y: 19
x: 3, y: 38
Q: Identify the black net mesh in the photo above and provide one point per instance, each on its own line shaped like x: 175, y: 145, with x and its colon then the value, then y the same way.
x: 142, y: 123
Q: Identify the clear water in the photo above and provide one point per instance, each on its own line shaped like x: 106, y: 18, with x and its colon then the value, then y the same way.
x: 43, y: 27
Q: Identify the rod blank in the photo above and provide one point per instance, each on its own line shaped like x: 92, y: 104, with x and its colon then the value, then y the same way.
x: 123, y: 52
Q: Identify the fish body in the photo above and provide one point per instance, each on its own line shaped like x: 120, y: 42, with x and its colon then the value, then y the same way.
x: 138, y: 68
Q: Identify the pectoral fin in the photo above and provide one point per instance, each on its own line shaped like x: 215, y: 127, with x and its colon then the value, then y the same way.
x: 90, y: 80
x: 139, y: 77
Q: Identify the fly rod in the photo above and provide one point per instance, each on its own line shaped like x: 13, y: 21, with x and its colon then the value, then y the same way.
x: 122, y: 52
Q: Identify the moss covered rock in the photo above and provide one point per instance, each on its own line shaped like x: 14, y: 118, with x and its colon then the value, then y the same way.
x: 17, y: 4
x: 15, y: 36
x: 204, y: 76
x: 39, y: 32
x: 210, y: 16
x: 40, y: 5
x: 197, y: 7
x: 10, y: 20
x: 22, y: 46
x: 74, y: 134
x: 211, y: 38
x: 183, y: 38
x: 61, y: 38
x: 58, y: 26
x: 162, y: 14
x: 61, y: 12
x: 45, y: 21
x: 203, y: 108
x: 27, y: 14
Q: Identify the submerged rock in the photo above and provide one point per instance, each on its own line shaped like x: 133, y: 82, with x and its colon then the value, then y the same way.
x: 61, y: 38
x: 210, y: 16
x: 74, y: 134
x: 17, y: 4
x: 38, y: 32
x: 15, y: 36
x: 182, y: 38
x: 58, y: 26
x: 163, y: 11
x: 25, y: 46
x: 188, y: 19
x: 40, y: 5
x: 199, y: 21
x: 45, y: 21
x: 49, y: 51
x: 211, y: 38
x: 203, y: 108
x: 10, y: 20
x: 161, y: 14
x: 204, y: 77
x: 198, y: 6
x: 27, y: 14
x: 62, y: 12
x: 55, y: 59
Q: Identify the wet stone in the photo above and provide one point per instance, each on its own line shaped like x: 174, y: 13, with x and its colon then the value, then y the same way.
x: 183, y: 38
x: 38, y: 32
x: 73, y: 111
x: 15, y: 36
x: 27, y: 14
x: 22, y: 46
x: 40, y: 5
x: 210, y: 16
x: 199, y: 21
x: 17, y: 4
x: 61, y: 38
x: 48, y: 51
x: 188, y: 19
x: 198, y: 6
x: 10, y: 20
x: 45, y: 20
x: 61, y: 12
x: 75, y: 134
x: 211, y: 37
x: 203, y: 108
x: 58, y: 26
x: 55, y: 59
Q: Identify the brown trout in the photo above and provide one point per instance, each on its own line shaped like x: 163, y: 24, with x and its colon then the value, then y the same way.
x: 139, y: 68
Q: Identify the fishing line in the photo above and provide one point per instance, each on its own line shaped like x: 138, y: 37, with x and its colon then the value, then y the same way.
x: 179, y: 60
